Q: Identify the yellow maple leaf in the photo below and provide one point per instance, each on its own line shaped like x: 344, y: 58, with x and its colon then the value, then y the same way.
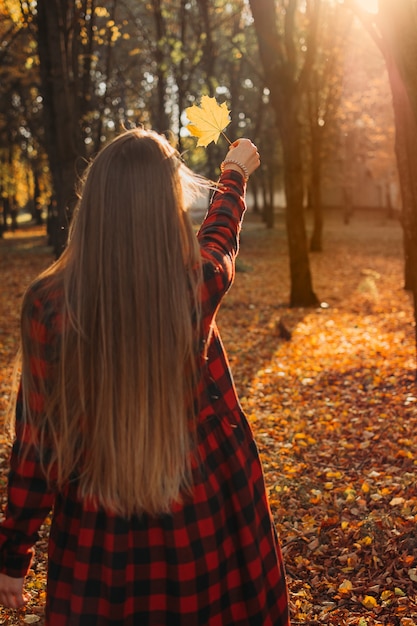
x: 208, y: 120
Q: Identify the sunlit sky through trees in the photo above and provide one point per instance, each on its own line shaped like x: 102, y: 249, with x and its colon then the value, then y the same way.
x: 369, y: 5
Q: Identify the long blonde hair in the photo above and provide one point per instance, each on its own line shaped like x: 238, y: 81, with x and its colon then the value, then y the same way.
x: 118, y: 414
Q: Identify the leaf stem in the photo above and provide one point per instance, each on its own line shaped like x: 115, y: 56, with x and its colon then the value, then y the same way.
x: 227, y: 138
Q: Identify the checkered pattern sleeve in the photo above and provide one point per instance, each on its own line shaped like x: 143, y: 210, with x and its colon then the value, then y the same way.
x: 219, y: 237
x: 29, y: 498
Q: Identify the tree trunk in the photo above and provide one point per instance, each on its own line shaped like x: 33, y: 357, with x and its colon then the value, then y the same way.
x: 316, y: 240
x: 160, y: 118
x: 406, y: 152
x: 394, y: 32
x: 269, y: 208
x: 398, y: 22
x: 37, y: 208
x: 255, y: 191
x: 302, y: 293
x: 400, y: 50
x: 61, y: 106
x: 265, y: 198
x: 279, y: 72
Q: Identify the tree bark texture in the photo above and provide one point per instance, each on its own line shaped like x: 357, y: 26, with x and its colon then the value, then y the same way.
x: 279, y: 65
x: 406, y: 153
x: 394, y: 31
x: 398, y: 26
x: 58, y: 58
x: 316, y: 240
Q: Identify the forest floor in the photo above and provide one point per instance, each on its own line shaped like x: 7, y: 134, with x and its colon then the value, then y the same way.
x: 331, y: 395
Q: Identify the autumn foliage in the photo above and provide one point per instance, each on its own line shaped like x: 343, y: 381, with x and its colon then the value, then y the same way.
x: 330, y: 393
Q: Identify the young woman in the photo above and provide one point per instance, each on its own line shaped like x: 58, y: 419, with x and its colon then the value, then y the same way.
x: 127, y: 419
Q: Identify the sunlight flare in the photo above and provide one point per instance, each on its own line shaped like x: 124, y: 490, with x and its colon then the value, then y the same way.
x: 369, y: 5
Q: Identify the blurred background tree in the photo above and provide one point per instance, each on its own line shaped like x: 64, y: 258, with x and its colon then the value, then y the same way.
x: 393, y: 28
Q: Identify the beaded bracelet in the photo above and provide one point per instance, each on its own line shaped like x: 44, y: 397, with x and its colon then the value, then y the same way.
x: 242, y: 167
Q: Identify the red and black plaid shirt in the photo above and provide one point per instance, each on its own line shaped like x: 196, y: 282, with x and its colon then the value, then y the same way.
x: 215, y: 560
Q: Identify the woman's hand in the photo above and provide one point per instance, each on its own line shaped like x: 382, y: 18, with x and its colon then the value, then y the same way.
x: 11, y: 592
x: 243, y: 156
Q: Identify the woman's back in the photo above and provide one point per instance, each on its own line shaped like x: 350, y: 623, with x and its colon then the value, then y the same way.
x: 213, y: 557
x: 127, y: 351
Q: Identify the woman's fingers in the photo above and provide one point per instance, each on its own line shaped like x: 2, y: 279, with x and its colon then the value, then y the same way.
x: 11, y: 592
x: 245, y: 152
